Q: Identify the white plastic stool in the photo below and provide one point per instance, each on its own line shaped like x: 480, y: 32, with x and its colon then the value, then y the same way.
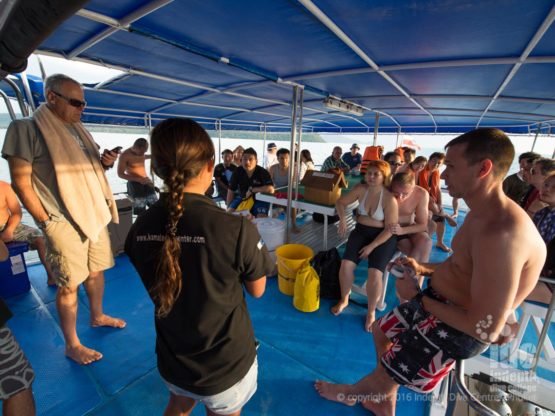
x: 361, y: 290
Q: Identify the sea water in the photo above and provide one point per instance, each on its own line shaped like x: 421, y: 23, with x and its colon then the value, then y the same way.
x: 319, y: 150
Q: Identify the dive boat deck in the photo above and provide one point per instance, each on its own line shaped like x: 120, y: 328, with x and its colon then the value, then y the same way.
x: 296, y: 349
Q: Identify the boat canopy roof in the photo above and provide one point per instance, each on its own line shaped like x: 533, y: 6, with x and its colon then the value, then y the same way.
x: 423, y: 66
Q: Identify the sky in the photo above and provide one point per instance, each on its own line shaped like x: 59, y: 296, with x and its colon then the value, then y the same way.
x: 80, y: 71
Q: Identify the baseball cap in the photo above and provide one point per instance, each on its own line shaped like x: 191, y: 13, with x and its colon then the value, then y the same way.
x: 355, y: 146
x: 271, y: 146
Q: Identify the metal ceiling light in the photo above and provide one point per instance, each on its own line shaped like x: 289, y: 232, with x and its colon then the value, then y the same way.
x: 344, y: 106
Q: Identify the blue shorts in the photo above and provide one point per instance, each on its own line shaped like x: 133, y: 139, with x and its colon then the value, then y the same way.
x: 259, y: 207
x: 228, y: 401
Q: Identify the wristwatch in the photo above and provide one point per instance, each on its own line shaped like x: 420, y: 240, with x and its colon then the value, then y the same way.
x: 43, y: 224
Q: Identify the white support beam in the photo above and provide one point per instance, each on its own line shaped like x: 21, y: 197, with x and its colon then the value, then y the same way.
x: 321, y: 16
x: 131, y: 71
x: 122, y: 24
x: 531, y: 45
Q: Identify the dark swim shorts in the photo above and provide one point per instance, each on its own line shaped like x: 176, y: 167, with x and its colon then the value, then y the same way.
x: 438, y: 218
x: 363, y: 235
x: 424, y: 348
x: 16, y: 373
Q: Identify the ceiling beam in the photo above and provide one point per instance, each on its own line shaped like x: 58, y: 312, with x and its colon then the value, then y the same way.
x: 544, y: 27
x: 122, y: 24
x: 326, y: 21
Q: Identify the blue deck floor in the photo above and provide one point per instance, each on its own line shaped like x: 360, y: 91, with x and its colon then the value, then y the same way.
x: 296, y: 348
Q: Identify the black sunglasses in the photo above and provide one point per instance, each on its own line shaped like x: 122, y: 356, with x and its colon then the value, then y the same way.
x: 72, y: 101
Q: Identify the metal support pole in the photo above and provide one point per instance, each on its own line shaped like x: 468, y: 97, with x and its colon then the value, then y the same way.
x: 459, y: 386
x: 536, y: 137
x: 8, y: 104
x: 41, y: 66
x: 27, y: 90
x: 297, y: 162
x: 219, y: 126
x: 264, y: 150
x: 397, y: 139
x: 545, y: 328
x: 376, y: 128
x: 296, y: 124
x: 20, y: 100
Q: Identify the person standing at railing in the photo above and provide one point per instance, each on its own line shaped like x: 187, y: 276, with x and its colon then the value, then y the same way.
x: 59, y: 176
x: 497, y: 258
x: 429, y: 180
x: 271, y: 157
x: 131, y: 167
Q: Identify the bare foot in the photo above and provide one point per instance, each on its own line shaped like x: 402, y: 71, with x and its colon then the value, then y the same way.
x: 82, y: 355
x: 338, y: 308
x: 443, y: 247
x: 451, y: 221
x: 334, y: 392
x: 105, y: 320
x: 370, y: 318
x: 383, y: 407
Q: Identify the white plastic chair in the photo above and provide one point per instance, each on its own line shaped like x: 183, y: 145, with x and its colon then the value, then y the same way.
x: 535, y: 312
x: 361, y: 290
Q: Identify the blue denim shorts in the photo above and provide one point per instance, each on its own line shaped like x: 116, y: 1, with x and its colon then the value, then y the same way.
x: 228, y: 401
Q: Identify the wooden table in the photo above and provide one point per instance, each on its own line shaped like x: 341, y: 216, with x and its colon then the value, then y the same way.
x: 313, y: 207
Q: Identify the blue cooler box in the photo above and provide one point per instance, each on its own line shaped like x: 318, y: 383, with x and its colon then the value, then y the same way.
x: 13, y: 272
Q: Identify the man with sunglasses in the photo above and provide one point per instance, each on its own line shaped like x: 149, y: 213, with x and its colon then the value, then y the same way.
x: 395, y: 161
x: 59, y: 175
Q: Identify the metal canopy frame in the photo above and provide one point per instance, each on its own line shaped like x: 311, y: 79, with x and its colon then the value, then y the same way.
x: 249, y: 103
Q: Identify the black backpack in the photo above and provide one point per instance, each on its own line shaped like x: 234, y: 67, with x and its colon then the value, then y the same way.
x: 327, y: 264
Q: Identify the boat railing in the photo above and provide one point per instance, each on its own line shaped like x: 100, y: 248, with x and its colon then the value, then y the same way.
x: 459, y: 388
x: 20, y: 99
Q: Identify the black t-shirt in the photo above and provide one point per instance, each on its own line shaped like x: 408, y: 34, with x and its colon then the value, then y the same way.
x: 240, y: 180
x: 206, y: 343
x: 224, y: 174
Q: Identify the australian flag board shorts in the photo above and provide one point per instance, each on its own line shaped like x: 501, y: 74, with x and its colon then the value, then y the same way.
x: 423, y: 349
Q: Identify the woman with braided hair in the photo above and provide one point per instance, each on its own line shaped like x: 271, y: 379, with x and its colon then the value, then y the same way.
x: 194, y: 270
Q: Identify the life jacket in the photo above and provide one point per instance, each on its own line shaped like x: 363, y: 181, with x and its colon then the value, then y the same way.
x: 370, y: 153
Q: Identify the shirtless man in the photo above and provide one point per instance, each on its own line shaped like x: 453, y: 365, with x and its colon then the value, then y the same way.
x: 11, y: 228
x: 428, y: 178
x: 498, y: 256
x: 131, y: 167
x: 412, y: 238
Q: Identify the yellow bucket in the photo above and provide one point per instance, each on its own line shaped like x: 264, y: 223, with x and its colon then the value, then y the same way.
x: 290, y: 257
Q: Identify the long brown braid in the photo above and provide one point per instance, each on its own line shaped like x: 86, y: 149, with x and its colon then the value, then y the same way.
x: 181, y: 148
